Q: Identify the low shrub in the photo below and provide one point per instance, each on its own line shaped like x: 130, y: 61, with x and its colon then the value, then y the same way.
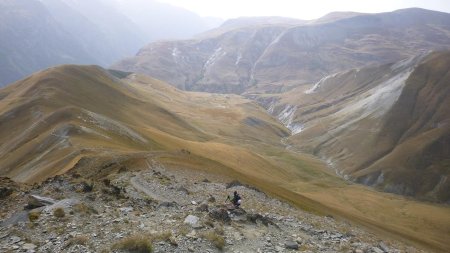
x: 59, y: 212
x: 33, y: 216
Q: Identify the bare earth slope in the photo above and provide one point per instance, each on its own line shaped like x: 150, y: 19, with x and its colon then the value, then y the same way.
x: 270, y: 57
x: 384, y: 126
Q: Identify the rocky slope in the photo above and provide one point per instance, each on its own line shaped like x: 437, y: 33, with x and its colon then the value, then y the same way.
x: 383, y: 126
x: 175, y: 211
x: 272, y: 57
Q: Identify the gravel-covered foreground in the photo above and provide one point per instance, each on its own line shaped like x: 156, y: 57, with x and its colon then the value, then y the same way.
x: 174, y: 211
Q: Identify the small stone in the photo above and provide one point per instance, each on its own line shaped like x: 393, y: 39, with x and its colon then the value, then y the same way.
x: 173, y: 241
x: 291, y: 245
x: 29, y: 246
x: 202, y: 208
x: 211, y: 199
x: 194, y: 203
x: 192, y: 234
x: 279, y: 249
x: 190, y: 249
x: 183, y: 190
x: 126, y: 210
x: 358, y: 251
x: 15, y: 239
x: 384, y: 247
x: 377, y: 250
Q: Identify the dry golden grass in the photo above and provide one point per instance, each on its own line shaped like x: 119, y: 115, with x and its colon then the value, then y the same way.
x: 211, y: 127
x: 135, y: 243
x: 77, y: 240
x: 216, y: 239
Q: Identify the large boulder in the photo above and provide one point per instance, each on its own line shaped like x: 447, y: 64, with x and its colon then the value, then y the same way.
x: 193, y: 221
x: 35, y: 201
x: 5, y: 192
x: 7, y: 187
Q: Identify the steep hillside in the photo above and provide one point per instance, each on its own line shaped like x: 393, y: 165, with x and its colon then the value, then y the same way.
x: 31, y: 39
x: 271, y: 57
x: 37, y: 34
x: 68, y: 112
x: 384, y: 126
x: 103, y: 31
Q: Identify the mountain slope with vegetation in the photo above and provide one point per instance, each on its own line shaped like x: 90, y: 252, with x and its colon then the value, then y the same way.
x: 94, y: 123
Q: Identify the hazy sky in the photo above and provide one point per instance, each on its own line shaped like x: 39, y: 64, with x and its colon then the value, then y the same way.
x: 299, y: 8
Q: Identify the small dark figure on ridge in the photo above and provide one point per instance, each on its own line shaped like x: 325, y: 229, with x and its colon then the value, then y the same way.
x: 236, y: 200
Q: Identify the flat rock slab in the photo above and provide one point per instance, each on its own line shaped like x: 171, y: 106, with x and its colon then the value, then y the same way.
x: 15, y: 219
x: 35, y: 201
x: 291, y: 245
x: 65, y: 204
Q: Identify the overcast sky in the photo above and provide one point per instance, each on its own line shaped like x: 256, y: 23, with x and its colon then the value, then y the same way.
x: 299, y: 8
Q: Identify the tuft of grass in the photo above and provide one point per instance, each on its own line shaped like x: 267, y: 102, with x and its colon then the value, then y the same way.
x: 33, y: 216
x: 59, y: 212
x: 84, y: 209
x: 135, y: 244
x: 184, y: 230
x: 216, y: 239
x: 219, y: 230
x: 161, y: 237
x: 78, y: 240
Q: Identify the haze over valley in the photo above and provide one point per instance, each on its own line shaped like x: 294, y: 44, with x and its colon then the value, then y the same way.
x: 139, y: 117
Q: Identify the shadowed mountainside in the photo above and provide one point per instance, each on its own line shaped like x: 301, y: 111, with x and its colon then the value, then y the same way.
x: 37, y: 34
x: 31, y: 39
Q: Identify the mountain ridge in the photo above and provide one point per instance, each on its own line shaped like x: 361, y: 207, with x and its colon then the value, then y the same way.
x: 276, y: 57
